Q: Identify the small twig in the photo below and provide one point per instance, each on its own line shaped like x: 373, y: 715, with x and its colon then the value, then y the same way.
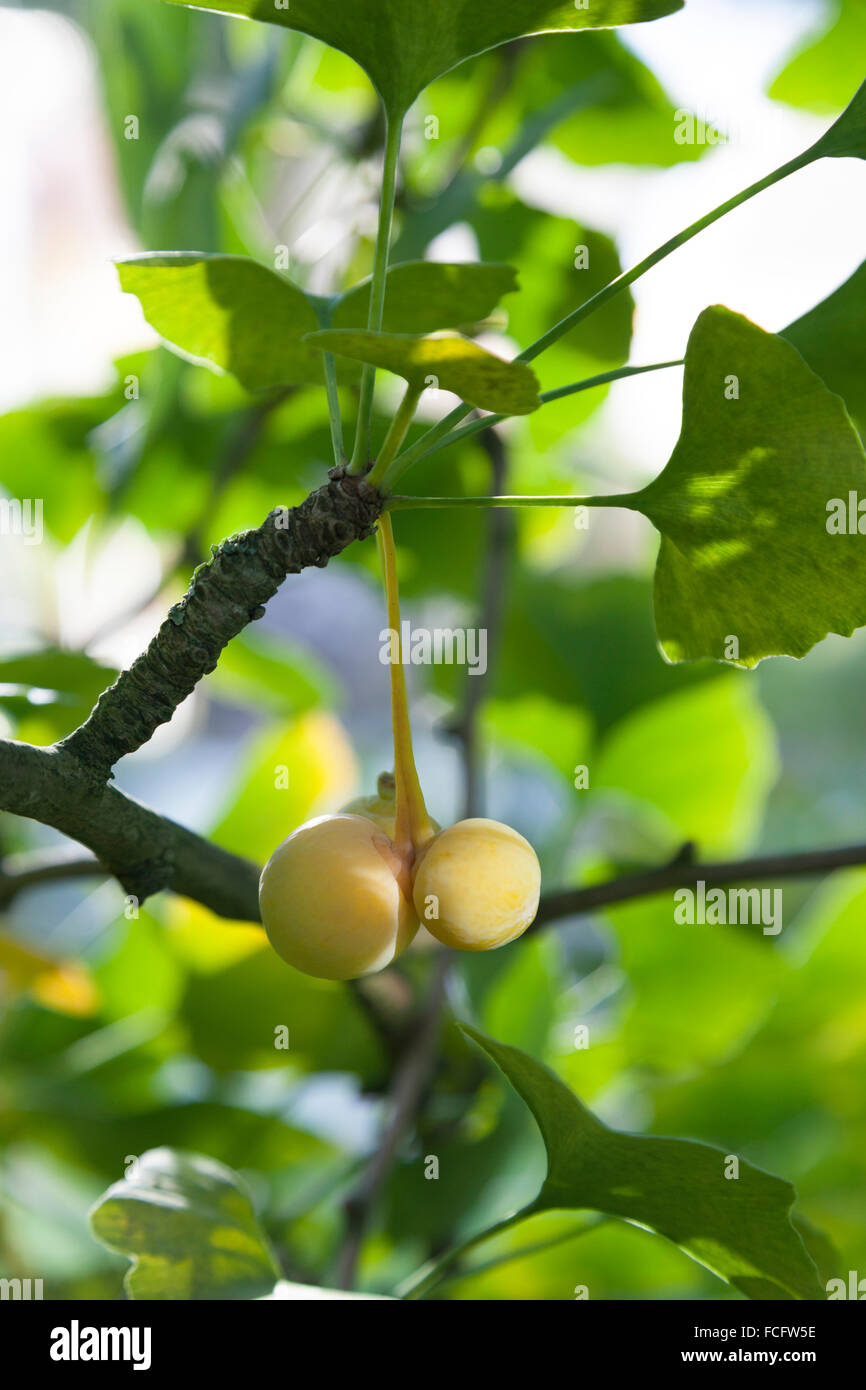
x: 21, y: 871
x: 410, y: 1080
x: 686, y: 872
x: 386, y: 1001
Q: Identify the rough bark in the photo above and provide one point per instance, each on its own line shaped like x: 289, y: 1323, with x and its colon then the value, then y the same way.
x: 67, y: 786
x: 144, y: 851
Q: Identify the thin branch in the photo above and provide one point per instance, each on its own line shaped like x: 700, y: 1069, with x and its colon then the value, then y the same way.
x: 410, y: 1080
x: 224, y: 595
x: 19, y: 872
x: 682, y: 873
x: 144, y: 851
x: 64, y: 786
x: 148, y: 853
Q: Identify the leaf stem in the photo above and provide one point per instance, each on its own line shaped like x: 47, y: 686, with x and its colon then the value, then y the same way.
x: 616, y: 499
x: 413, y: 825
x: 434, y: 1272
x: 437, y: 439
x: 330, y: 369
x: 628, y: 277
x: 393, y: 132
x: 396, y: 434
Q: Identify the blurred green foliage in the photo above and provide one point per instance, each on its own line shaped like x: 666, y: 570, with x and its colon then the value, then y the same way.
x: 120, y: 1034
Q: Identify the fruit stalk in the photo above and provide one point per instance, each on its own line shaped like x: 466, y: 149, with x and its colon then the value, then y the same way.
x: 413, y: 825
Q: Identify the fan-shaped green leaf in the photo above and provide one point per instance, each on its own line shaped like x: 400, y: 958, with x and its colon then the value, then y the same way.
x: 449, y: 364
x: 823, y: 73
x: 753, y: 562
x: 847, y: 135
x: 737, y: 1226
x: 423, y: 296
x: 229, y: 312
x: 187, y: 1224
x: 237, y: 315
x: 403, y: 44
x: 832, y: 339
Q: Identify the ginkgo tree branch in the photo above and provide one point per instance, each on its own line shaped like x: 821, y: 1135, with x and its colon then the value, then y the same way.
x: 18, y: 872
x: 225, y: 594
x: 149, y: 853
x: 144, y: 851
x: 66, y: 786
x: 686, y: 872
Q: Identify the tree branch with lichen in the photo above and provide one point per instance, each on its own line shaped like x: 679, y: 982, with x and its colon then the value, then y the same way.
x: 66, y: 785
x: 226, y: 593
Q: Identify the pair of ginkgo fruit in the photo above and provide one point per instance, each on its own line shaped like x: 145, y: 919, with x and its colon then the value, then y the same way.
x: 345, y: 894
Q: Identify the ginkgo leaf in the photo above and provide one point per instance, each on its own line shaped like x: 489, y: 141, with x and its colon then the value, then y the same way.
x: 188, y: 1225
x: 753, y: 562
x: 823, y: 72
x: 236, y: 315
x: 423, y: 296
x: 729, y: 1216
x: 831, y: 337
x: 847, y: 135
x: 448, y: 364
x: 227, y: 312
x: 404, y: 44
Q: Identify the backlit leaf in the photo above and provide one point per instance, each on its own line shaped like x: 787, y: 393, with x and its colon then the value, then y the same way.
x: 188, y: 1225
x: 748, y: 566
x: 423, y: 296
x: 740, y: 1228
x: 449, y: 364
x: 234, y: 314
x: 660, y: 756
x: 823, y: 74
x: 404, y: 44
x: 228, y: 312
x: 831, y: 337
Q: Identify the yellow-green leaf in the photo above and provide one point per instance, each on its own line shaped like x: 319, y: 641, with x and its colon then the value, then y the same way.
x: 227, y: 312
x: 404, y: 44
x: 188, y: 1225
x: 737, y: 1226
x: 447, y: 363
x: 423, y: 296
x: 752, y: 562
